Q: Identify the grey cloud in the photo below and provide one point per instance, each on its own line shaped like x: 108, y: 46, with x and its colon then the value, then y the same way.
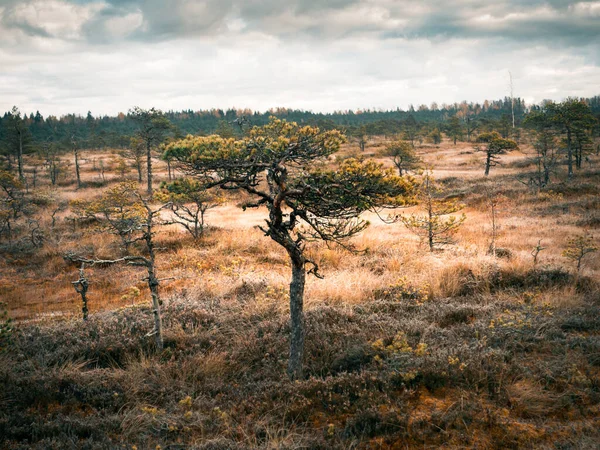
x: 106, y: 55
x: 161, y: 20
x: 10, y: 20
x: 555, y: 22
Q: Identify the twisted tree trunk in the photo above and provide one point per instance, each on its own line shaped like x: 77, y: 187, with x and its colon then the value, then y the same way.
x: 81, y: 287
x: 158, y: 328
x: 153, y: 284
x: 296, y: 317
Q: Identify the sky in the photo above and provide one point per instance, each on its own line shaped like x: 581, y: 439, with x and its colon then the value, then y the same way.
x: 106, y: 56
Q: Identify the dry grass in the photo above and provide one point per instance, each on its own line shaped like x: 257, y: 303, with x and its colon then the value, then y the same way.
x: 511, y: 356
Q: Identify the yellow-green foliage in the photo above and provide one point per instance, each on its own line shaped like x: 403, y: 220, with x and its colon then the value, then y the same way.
x: 276, y: 140
x: 118, y: 202
x: 118, y: 210
x: 578, y: 247
x: 436, y: 226
x: 403, y: 155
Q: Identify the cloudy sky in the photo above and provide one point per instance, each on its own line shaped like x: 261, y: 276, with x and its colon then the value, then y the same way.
x: 62, y: 56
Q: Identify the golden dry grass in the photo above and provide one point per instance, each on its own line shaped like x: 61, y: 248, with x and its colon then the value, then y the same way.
x: 234, y: 250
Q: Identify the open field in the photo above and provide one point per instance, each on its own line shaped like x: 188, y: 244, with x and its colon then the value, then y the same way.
x: 405, y: 348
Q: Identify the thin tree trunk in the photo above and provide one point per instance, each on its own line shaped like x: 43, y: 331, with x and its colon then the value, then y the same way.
x: 430, y: 221
x: 20, y: 156
x: 139, y: 169
x: 77, y: 173
x: 81, y: 287
x: 488, y: 162
x: 570, y: 153
x: 296, y: 317
x: 512, y: 100
x: 158, y: 329
x: 493, y: 243
x: 149, y: 158
x: 153, y: 284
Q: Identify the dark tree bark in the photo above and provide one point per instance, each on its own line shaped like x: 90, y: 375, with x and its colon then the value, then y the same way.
x: 153, y: 284
x: 149, y: 167
x: 488, y: 162
x: 20, y: 155
x: 569, y: 153
x: 81, y: 287
x: 77, y: 172
x: 296, y: 316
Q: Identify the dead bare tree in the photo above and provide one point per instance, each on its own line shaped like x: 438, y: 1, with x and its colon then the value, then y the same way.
x: 494, y: 199
x: 512, y: 98
x: 139, y: 227
x: 75, y: 147
x: 81, y: 287
x: 495, y: 146
x: 536, y: 251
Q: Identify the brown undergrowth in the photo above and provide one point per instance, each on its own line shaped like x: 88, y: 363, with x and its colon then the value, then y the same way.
x: 405, y: 348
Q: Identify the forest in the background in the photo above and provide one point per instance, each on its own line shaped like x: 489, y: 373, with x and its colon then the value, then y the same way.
x: 115, y: 131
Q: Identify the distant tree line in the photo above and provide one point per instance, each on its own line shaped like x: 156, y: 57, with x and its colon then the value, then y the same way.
x: 458, y: 120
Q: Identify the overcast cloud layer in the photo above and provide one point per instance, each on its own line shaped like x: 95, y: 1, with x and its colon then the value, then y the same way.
x: 61, y: 56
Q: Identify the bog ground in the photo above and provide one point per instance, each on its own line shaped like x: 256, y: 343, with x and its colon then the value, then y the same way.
x: 405, y: 348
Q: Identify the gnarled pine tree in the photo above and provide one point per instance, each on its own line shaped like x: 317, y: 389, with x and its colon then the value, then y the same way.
x: 403, y: 155
x: 282, y: 166
x: 189, y: 204
x: 495, y: 146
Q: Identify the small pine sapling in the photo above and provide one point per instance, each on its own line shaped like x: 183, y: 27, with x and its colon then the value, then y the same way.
x: 578, y: 247
x: 436, y: 226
